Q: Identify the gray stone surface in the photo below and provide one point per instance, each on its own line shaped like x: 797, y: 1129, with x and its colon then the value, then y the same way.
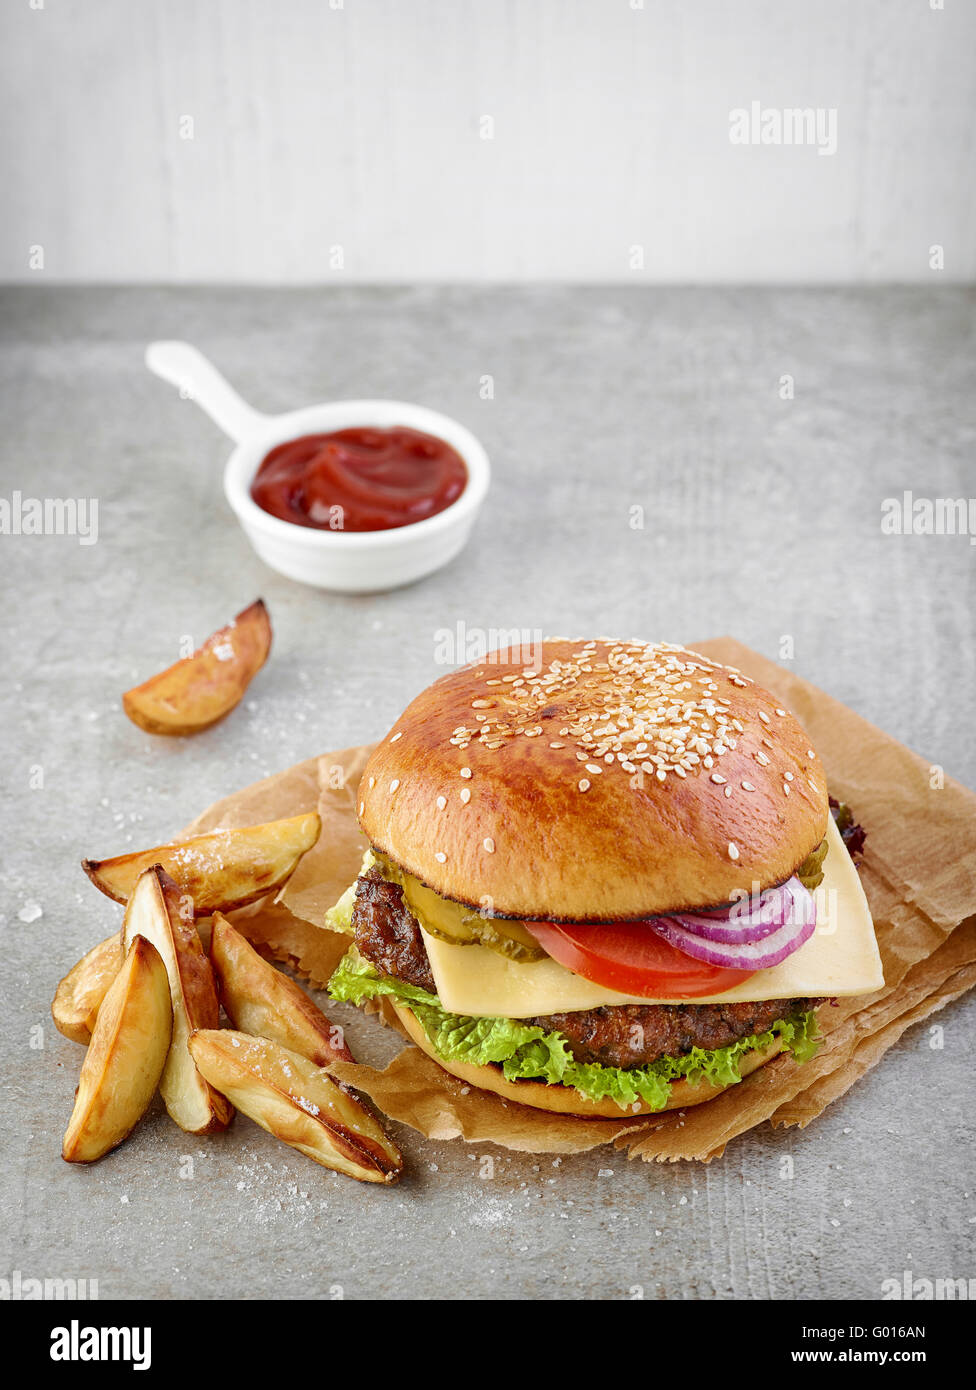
x: 762, y: 519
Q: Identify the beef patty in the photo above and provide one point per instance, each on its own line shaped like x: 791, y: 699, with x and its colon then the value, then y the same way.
x: 622, y: 1035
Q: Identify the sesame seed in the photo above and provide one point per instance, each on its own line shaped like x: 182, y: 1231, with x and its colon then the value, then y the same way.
x: 728, y: 791
x: 372, y: 783
x: 733, y: 850
x: 764, y: 716
x: 584, y: 784
x: 811, y: 753
x: 441, y: 802
x: 761, y: 757
x: 788, y: 776
x: 465, y: 795
x: 624, y: 700
x: 748, y: 787
x: 489, y: 844
x: 441, y: 857
x: 362, y: 807
x: 717, y: 777
x: 786, y: 788
x: 465, y: 772
x: 394, y: 784
x: 781, y: 712
x: 396, y: 736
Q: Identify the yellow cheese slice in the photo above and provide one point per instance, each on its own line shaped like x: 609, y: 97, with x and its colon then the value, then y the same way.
x: 841, y: 958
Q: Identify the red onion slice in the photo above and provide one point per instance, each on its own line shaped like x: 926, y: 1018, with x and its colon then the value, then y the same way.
x: 798, y: 927
x: 752, y: 918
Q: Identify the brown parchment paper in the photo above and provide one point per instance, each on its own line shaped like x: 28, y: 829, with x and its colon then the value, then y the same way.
x: 918, y: 870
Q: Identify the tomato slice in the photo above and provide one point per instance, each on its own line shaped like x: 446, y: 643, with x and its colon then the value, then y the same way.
x: 632, y: 959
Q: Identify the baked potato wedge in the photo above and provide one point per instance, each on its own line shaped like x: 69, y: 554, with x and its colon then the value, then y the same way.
x: 154, y: 912
x: 220, y: 871
x: 263, y: 1001
x: 297, y: 1102
x: 122, y: 1067
x: 80, y: 994
x: 195, y: 693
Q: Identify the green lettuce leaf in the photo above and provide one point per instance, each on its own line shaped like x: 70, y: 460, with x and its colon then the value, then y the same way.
x: 525, y: 1051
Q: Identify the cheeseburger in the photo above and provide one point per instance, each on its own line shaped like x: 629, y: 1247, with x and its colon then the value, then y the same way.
x: 605, y: 883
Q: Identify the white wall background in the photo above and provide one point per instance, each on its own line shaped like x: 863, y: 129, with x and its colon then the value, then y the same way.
x: 318, y: 124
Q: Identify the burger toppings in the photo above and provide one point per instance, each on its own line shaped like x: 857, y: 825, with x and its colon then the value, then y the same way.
x: 453, y: 922
x: 760, y: 952
x: 810, y: 872
x: 539, y: 1050
x: 851, y: 833
x: 680, y: 956
x: 750, y: 919
x: 629, y: 958
x: 388, y: 936
x: 634, y: 1035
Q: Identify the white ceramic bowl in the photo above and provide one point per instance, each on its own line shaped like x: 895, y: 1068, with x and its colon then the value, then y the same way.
x: 352, y: 562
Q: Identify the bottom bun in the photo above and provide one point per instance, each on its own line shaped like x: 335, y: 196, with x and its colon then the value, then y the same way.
x: 564, y: 1100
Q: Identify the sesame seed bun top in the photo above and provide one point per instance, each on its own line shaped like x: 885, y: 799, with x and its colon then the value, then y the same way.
x: 606, y: 781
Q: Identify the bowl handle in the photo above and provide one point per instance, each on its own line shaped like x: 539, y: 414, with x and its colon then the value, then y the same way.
x: 198, y: 379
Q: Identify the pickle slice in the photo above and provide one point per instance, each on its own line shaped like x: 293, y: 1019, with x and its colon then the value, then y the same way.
x: 810, y: 872
x: 461, y: 925
x: 508, y: 938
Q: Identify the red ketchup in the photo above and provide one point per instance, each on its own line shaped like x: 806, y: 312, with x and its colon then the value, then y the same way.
x: 368, y: 479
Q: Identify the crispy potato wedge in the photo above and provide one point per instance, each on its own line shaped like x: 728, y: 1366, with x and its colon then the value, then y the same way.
x: 80, y: 994
x: 297, y: 1102
x: 219, y: 871
x: 261, y: 1000
x: 196, y: 692
x: 154, y: 912
x: 128, y: 1050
